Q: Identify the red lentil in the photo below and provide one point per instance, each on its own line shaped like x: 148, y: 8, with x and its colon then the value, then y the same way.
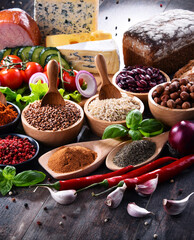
x: 14, y: 150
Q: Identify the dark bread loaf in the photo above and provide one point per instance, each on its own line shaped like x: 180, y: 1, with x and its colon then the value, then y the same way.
x: 165, y: 41
x: 186, y: 72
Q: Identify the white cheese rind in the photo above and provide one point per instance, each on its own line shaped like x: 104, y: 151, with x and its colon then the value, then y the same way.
x: 81, y: 55
x: 71, y: 16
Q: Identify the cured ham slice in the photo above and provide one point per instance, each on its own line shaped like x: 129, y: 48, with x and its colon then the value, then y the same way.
x: 17, y: 28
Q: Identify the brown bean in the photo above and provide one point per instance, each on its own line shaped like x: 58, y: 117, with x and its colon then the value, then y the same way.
x: 192, y: 95
x: 157, y: 100
x: 155, y: 94
x: 186, y: 105
x: 164, y: 98
x: 164, y: 103
x: 173, y: 87
x: 178, y: 101
x: 184, y: 96
x: 183, y: 81
x: 160, y: 89
x: 174, y: 95
x: 171, y: 103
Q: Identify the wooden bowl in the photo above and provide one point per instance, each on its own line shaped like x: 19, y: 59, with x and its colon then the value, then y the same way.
x: 167, y: 115
x: 54, y: 138
x: 12, y: 125
x: 142, y: 96
x: 97, y: 125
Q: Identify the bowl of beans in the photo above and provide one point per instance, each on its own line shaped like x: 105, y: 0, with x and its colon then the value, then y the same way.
x: 138, y: 80
x: 102, y: 113
x: 17, y: 149
x: 53, y: 125
x: 172, y: 102
x: 9, y: 117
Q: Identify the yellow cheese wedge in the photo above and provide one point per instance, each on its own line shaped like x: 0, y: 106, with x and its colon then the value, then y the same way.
x: 81, y: 55
x: 65, y: 39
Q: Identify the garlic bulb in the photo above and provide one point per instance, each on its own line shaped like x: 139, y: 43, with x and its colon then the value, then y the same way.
x: 114, y: 198
x: 148, y: 187
x: 175, y: 207
x: 136, y: 211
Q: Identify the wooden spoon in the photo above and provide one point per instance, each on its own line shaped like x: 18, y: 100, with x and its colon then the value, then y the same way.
x: 160, y: 140
x: 52, y: 97
x: 3, y: 99
x: 108, y: 90
x: 102, y: 147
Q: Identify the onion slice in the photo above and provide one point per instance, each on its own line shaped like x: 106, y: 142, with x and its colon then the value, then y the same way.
x: 36, y: 77
x: 91, y: 83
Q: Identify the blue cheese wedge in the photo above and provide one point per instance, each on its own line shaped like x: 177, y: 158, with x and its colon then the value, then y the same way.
x: 66, y: 16
x: 81, y: 55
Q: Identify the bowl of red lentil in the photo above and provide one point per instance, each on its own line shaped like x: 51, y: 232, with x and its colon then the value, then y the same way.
x: 53, y: 125
x: 17, y: 149
x: 102, y: 113
x: 9, y: 117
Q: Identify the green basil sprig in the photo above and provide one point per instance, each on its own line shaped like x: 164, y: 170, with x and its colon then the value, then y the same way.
x: 8, y: 178
x: 136, y: 127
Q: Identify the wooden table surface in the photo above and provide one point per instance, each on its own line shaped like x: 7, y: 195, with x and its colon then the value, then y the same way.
x: 88, y: 218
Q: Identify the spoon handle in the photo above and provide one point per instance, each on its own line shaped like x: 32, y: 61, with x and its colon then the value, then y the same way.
x: 102, y: 69
x: 52, y: 75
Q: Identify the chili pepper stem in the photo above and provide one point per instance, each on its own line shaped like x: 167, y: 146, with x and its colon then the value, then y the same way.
x: 103, y: 183
x: 120, y: 184
x: 55, y: 185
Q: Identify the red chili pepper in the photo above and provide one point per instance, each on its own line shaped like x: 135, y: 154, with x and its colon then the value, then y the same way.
x: 82, y: 182
x: 165, y: 173
x: 110, y: 182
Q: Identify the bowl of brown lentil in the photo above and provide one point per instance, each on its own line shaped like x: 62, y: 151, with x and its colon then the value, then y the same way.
x: 102, y: 113
x: 9, y: 117
x: 53, y: 125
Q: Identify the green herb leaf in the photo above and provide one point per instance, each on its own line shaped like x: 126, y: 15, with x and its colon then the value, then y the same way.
x: 9, y: 172
x: 1, y: 175
x: 115, y: 130
x: 135, y: 134
x: 150, y: 127
x: 28, y: 178
x: 133, y: 119
x: 5, y: 186
x: 10, y: 95
x: 76, y: 96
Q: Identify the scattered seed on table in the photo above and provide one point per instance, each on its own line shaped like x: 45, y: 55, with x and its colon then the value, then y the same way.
x: 63, y: 216
x: 172, y: 181
x: 45, y: 208
x: 25, y: 205
x: 6, y: 207
x: 106, y: 219
x: 13, y: 200
x: 155, y: 236
x: 10, y: 193
x: 39, y: 223
x: 60, y: 223
x: 180, y: 191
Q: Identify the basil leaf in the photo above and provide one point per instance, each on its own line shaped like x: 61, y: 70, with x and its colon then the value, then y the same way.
x: 5, y: 186
x: 115, y: 130
x: 9, y: 172
x: 135, y: 134
x: 150, y: 127
x: 1, y: 175
x: 133, y: 119
x: 27, y: 178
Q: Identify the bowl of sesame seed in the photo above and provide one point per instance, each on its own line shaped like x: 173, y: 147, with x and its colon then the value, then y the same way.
x: 53, y: 125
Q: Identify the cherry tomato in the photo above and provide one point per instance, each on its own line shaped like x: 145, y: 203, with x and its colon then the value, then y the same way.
x: 13, y: 59
x: 11, y: 78
x: 58, y: 80
x: 69, y: 81
x: 31, y: 68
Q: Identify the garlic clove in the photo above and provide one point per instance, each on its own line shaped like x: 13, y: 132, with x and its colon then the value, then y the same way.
x: 114, y: 198
x: 175, y: 207
x: 148, y: 187
x: 136, y: 211
x: 64, y: 197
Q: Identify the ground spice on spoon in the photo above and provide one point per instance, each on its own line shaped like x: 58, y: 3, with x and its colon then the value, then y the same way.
x: 134, y: 153
x: 69, y: 159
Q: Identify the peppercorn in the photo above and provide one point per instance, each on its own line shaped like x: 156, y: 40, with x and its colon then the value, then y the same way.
x: 25, y: 205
